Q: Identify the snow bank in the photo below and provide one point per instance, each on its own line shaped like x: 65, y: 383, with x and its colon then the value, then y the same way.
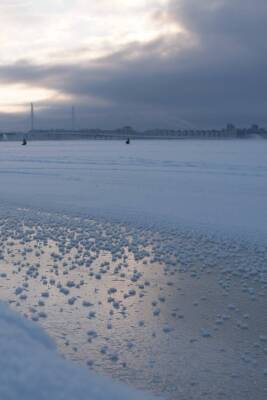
x: 31, y: 369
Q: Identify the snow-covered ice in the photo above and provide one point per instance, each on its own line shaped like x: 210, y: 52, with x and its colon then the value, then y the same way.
x: 146, y: 263
x: 136, y: 328
x: 217, y: 182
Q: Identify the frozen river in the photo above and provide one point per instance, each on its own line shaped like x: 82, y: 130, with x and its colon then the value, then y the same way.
x: 215, y: 183
x: 97, y: 247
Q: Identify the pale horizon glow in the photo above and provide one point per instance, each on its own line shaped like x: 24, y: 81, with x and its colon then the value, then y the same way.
x: 16, y: 94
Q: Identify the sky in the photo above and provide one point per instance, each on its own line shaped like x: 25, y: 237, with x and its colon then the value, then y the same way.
x: 144, y: 63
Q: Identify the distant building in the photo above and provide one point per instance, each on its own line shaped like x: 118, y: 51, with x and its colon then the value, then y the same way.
x: 254, y: 128
x: 230, y: 127
x: 127, y: 129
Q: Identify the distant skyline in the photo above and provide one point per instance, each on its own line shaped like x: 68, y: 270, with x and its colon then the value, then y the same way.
x: 153, y: 63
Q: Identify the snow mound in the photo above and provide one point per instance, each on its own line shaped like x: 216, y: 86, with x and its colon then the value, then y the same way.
x: 31, y: 368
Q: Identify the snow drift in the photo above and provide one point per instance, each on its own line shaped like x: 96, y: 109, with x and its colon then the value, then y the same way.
x: 32, y: 369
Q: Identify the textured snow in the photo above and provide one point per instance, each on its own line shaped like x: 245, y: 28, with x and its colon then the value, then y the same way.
x: 31, y: 369
x: 220, y: 183
x: 144, y: 299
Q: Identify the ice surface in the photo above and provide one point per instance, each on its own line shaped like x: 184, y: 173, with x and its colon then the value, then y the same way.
x: 169, y: 306
x: 220, y: 183
x: 31, y: 369
x: 137, y: 291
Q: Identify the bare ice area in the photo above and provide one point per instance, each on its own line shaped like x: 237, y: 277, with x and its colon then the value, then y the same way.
x: 213, y: 183
x: 175, y: 313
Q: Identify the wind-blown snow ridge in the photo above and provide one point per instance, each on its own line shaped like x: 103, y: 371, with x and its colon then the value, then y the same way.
x: 31, y: 369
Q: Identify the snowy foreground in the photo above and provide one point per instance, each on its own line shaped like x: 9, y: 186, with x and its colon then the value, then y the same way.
x: 176, y: 313
x: 31, y: 369
x: 145, y: 263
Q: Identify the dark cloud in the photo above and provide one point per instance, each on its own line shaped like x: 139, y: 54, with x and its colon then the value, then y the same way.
x: 213, y: 73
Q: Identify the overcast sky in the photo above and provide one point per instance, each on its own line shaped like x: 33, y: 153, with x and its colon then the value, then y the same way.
x: 145, y: 63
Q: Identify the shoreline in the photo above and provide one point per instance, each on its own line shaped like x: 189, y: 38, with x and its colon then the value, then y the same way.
x: 77, y: 137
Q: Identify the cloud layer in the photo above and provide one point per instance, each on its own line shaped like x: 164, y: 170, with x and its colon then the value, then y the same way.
x: 193, y: 64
